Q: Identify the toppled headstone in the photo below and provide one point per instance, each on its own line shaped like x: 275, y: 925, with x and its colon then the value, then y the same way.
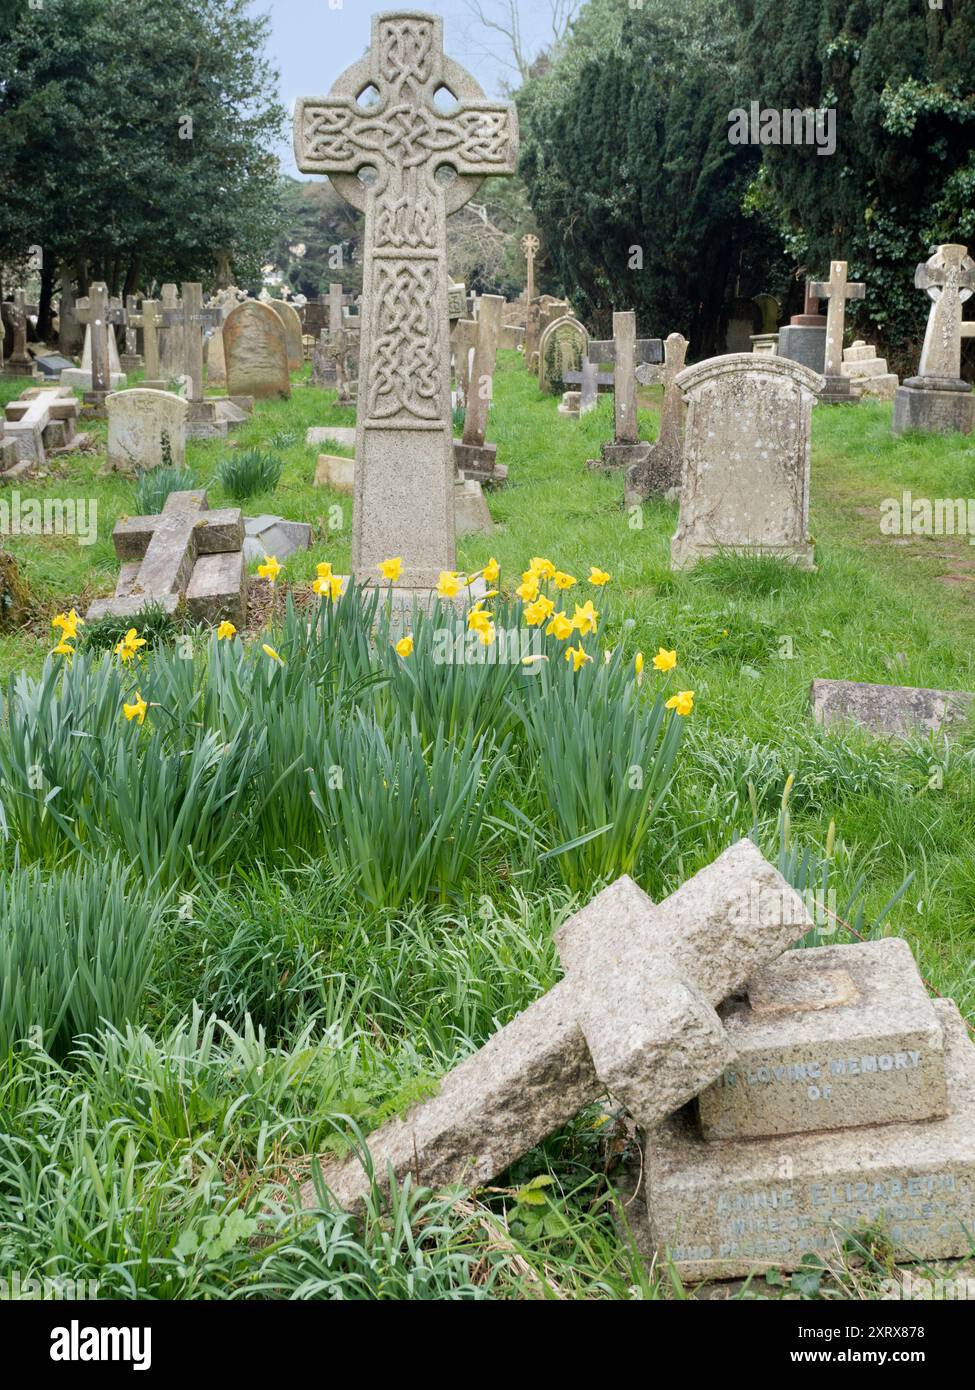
x: 146, y: 430
x: 887, y: 709
x: 274, y: 535
x: 745, y: 482
x: 634, y: 1015
x: 185, y: 555
x: 40, y: 421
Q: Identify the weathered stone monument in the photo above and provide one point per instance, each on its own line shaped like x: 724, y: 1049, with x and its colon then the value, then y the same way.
x: 476, y: 460
x: 149, y: 318
x: 185, y: 556
x: 938, y: 400
x: 146, y: 430
x: 851, y: 1106
x: 803, y: 339
x: 69, y: 329
x: 745, y: 484
x: 171, y: 351
x: 626, y: 352
x: 101, y: 370
x: 634, y: 1016
x: 384, y: 160
x: 868, y: 372
x: 192, y: 320
x: 463, y: 338
x: 659, y: 474
x: 888, y: 710
x: 41, y: 421
x: 19, y: 363
x: 563, y: 345
x: 131, y: 359
x: 256, y: 351
x: 530, y: 245
x: 289, y: 316
x: 837, y: 290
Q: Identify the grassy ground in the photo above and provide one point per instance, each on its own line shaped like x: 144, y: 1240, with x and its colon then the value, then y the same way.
x: 143, y: 1160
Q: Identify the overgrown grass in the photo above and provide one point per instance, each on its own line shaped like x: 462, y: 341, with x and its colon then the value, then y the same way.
x: 324, y: 954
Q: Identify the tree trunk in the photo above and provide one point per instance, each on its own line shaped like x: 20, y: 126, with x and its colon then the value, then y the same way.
x: 44, y: 315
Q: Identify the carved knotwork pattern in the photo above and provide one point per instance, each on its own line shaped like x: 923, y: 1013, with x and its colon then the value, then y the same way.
x: 404, y: 136
x: 406, y: 52
x: 406, y: 358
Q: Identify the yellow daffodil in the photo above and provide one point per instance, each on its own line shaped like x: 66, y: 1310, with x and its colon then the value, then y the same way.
x: 269, y: 651
x: 491, y: 593
x: 404, y: 647
x: 226, y: 631
x: 324, y: 570
x: 598, y: 576
x: 638, y: 663
x: 530, y: 660
x: 335, y: 585
x: 68, y: 623
x: 585, y: 618
x: 563, y: 580
x: 491, y: 571
x: 540, y: 611
x: 665, y: 660
x: 137, y: 709
x: 527, y: 590
x: 390, y: 569
x: 63, y: 648
x: 577, y: 655
x: 477, y: 619
x: 487, y: 634
x: 448, y: 584
x: 129, y: 646
x: 542, y: 567
x: 682, y: 702
x: 559, y: 627
x: 270, y: 568
x: 321, y: 586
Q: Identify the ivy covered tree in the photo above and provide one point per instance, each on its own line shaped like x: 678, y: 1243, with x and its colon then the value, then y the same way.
x: 901, y: 77
x: 137, y: 140
x: 637, y: 192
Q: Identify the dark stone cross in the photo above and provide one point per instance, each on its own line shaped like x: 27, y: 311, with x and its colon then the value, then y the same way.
x: 194, y: 319
x: 407, y: 164
x: 99, y: 312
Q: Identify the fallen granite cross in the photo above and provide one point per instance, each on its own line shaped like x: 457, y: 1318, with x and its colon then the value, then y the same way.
x: 634, y: 1015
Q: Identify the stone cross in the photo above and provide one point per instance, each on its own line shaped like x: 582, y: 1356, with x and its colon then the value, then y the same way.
x: 407, y: 165
x: 99, y: 312
x: 337, y: 299
x: 161, y: 552
x: 837, y: 290
x: 20, y: 363
x: 170, y: 339
x: 149, y: 319
x: 530, y: 245
x: 949, y: 278
x: 193, y: 319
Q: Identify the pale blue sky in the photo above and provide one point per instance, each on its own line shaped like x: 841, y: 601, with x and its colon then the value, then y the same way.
x: 311, y: 43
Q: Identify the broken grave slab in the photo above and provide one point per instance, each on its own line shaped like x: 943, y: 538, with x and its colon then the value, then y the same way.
x: 887, y: 709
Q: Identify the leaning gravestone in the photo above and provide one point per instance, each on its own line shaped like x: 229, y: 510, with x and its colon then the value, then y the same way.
x: 256, y: 350
x: 745, y: 486
x: 404, y: 476
x: 185, y: 555
x: 563, y: 345
x: 634, y: 1015
x: 938, y: 400
x: 850, y: 1108
x: 146, y: 430
x: 887, y: 709
x: 659, y: 475
x: 291, y: 319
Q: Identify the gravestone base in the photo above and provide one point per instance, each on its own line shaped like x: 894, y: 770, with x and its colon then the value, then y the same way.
x: 839, y: 390
x: 470, y: 509
x: 934, y: 405
x: 805, y: 344
x: 685, y: 554
x: 727, y: 1209
x: 570, y: 404
x: 18, y: 369
x: 479, y: 462
x: 657, y: 476
x: 614, y: 456
x: 93, y: 403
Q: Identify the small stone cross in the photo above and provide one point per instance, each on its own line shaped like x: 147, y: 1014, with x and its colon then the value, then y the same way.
x: 837, y: 290
x: 149, y: 319
x: 626, y: 351
x: 530, y: 245
x: 99, y: 312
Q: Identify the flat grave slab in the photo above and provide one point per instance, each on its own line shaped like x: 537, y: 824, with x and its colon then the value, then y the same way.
x: 887, y: 709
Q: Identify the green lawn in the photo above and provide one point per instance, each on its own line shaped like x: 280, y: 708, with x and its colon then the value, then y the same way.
x: 143, y: 1157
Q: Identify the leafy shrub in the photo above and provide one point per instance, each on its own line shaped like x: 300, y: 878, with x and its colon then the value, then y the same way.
x: 245, y: 472
x: 154, y: 486
x: 75, y: 952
